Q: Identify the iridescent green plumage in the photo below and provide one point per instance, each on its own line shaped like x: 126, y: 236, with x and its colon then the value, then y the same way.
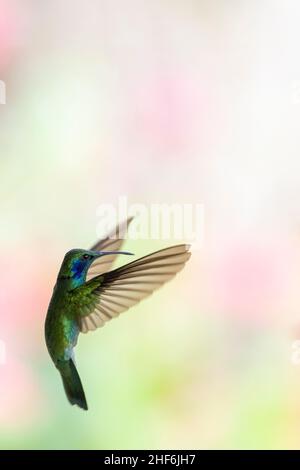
x: 86, y: 296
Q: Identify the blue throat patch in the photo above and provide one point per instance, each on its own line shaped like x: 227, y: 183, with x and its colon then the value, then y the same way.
x: 78, y: 269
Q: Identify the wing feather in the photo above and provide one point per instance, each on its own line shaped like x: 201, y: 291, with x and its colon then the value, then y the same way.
x: 112, y: 242
x: 116, y: 291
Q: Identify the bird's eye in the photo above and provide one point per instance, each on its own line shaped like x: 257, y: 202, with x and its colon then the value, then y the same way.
x: 86, y: 256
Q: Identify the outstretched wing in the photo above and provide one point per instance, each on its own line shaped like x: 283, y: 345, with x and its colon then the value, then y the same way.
x: 112, y: 242
x: 105, y: 297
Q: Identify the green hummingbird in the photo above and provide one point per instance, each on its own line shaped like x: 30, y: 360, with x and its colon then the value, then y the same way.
x: 88, y: 293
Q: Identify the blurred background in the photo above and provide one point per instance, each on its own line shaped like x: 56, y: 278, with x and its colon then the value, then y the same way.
x: 161, y: 101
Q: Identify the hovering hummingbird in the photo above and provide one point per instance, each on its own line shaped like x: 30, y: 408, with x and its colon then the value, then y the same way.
x: 87, y: 294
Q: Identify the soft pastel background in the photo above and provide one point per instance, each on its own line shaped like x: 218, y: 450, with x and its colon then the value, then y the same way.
x: 194, y: 101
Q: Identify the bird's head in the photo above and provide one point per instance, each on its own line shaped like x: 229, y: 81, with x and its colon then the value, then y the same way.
x: 77, y: 262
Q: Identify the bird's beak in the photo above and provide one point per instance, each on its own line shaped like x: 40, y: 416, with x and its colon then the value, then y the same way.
x: 102, y: 253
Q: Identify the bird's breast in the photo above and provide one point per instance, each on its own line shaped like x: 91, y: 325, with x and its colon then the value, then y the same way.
x: 61, y: 329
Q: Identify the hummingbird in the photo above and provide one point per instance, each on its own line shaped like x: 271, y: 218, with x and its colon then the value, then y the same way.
x: 88, y: 293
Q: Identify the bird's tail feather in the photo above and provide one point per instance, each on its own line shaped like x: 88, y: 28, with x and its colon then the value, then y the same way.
x: 72, y: 384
